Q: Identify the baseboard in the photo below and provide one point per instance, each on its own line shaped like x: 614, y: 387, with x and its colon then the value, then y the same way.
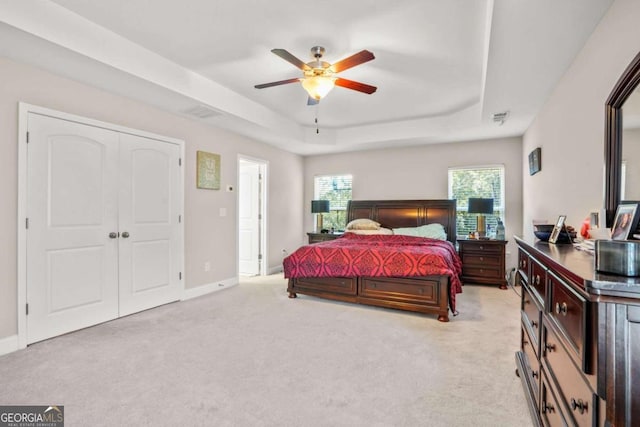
x: 275, y: 270
x: 209, y: 288
x: 9, y: 344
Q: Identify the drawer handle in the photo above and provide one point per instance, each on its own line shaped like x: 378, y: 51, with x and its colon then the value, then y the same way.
x: 481, y: 259
x: 562, y: 308
x: 421, y: 291
x: 580, y: 405
x: 373, y: 285
x: 550, y: 347
x: 534, y: 323
x: 547, y: 408
x: 537, y: 279
x: 481, y: 247
x: 534, y: 374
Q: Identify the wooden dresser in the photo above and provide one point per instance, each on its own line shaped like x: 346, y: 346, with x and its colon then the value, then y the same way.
x: 483, y: 261
x: 579, y: 358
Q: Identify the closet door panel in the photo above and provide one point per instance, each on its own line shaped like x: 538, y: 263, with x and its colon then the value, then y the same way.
x: 149, y: 226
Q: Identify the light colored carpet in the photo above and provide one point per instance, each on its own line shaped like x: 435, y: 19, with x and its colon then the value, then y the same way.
x: 250, y: 356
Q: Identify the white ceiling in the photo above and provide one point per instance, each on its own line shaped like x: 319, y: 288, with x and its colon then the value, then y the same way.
x: 442, y: 68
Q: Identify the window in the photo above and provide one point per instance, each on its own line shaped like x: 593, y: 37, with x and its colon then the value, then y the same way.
x: 336, y: 189
x: 477, y: 181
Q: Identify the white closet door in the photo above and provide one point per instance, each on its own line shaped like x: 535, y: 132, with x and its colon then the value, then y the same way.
x: 72, y: 264
x: 149, y: 227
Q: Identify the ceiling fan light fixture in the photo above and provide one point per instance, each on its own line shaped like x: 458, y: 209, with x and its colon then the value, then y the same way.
x: 318, y: 86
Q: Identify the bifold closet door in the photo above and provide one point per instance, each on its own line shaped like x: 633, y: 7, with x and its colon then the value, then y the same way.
x: 149, y: 223
x: 72, y: 207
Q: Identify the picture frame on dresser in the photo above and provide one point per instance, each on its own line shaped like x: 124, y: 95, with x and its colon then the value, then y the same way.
x: 557, y: 229
x: 626, y: 216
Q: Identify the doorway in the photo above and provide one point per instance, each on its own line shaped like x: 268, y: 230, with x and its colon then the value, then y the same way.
x: 251, y: 216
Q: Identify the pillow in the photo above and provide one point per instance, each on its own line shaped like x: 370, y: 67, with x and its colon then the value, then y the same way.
x: 363, y: 224
x: 431, y: 231
x: 380, y: 230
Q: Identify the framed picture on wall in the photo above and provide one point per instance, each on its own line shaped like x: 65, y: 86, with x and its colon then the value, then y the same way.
x: 535, y: 161
x: 207, y: 170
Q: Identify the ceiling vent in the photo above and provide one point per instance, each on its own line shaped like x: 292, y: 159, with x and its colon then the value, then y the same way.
x: 500, y: 118
x: 202, y: 112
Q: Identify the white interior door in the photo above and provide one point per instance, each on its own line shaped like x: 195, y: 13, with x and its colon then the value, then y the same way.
x: 149, y: 223
x: 249, y: 218
x: 72, y: 264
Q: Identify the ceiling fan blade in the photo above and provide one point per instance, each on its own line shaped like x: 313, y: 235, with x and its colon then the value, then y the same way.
x: 360, y: 87
x: 312, y: 101
x: 290, y: 58
x: 352, y: 61
x: 281, y: 82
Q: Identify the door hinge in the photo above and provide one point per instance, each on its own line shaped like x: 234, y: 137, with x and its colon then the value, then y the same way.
x: 27, y: 137
x: 259, y: 256
x: 26, y: 223
x: 179, y: 162
x: 180, y: 275
x: 179, y: 219
x: 27, y: 305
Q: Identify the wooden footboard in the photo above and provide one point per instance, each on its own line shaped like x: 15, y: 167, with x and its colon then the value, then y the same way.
x: 428, y: 294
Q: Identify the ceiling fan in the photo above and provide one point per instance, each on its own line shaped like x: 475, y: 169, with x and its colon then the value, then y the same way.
x: 319, y: 76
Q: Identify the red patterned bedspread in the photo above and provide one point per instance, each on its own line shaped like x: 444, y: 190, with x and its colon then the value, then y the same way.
x: 355, y: 255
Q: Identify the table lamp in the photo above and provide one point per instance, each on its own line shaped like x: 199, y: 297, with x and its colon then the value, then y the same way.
x: 481, y: 207
x: 319, y: 207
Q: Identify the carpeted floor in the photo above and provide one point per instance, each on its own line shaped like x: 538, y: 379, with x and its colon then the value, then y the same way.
x: 249, y: 356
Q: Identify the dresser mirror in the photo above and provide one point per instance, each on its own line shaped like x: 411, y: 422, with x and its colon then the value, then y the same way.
x: 622, y: 123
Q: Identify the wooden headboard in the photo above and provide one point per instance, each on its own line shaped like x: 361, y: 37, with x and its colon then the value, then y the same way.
x: 406, y: 213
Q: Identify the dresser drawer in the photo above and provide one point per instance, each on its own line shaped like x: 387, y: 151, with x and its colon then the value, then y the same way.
x: 523, y: 264
x: 549, y: 406
x: 569, y: 310
x: 340, y: 285
x: 577, y: 397
x: 537, y: 280
x: 531, y: 316
x: 480, y: 246
x: 532, y: 364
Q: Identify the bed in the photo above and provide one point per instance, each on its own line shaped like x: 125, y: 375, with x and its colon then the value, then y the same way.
x: 429, y: 289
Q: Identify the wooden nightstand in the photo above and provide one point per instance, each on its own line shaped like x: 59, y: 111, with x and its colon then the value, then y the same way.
x: 322, y: 237
x: 483, y: 261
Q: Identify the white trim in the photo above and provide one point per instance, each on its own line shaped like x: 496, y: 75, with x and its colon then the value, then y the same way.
x: 209, y: 288
x: 23, y: 112
x: 275, y: 270
x: 9, y: 344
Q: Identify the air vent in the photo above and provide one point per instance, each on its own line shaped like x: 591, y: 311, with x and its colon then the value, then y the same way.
x: 202, y: 112
x: 500, y: 118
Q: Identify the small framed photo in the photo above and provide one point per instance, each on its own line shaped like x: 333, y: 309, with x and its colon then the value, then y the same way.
x: 535, y: 161
x: 625, y: 217
x: 557, y: 229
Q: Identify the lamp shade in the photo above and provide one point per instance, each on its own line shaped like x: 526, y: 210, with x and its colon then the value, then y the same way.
x: 319, y: 206
x: 480, y: 206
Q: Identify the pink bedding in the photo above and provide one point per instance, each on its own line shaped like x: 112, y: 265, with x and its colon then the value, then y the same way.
x: 355, y: 255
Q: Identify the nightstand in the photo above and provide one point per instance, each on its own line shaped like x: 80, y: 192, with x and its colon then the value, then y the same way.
x: 322, y: 237
x: 483, y: 261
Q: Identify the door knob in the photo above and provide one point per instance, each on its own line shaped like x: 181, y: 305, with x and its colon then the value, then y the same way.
x: 125, y: 234
x: 113, y: 235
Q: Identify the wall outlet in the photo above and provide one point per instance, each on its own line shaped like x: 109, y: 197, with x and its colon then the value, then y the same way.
x: 207, y: 266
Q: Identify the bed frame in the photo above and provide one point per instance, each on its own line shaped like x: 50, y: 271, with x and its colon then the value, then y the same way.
x: 428, y: 294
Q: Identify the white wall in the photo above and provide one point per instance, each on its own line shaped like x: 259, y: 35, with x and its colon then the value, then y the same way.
x: 570, y: 127
x: 208, y: 236
x: 422, y: 173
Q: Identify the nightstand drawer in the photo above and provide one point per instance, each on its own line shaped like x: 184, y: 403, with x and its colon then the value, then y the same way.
x: 482, y: 259
x: 483, y: 272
